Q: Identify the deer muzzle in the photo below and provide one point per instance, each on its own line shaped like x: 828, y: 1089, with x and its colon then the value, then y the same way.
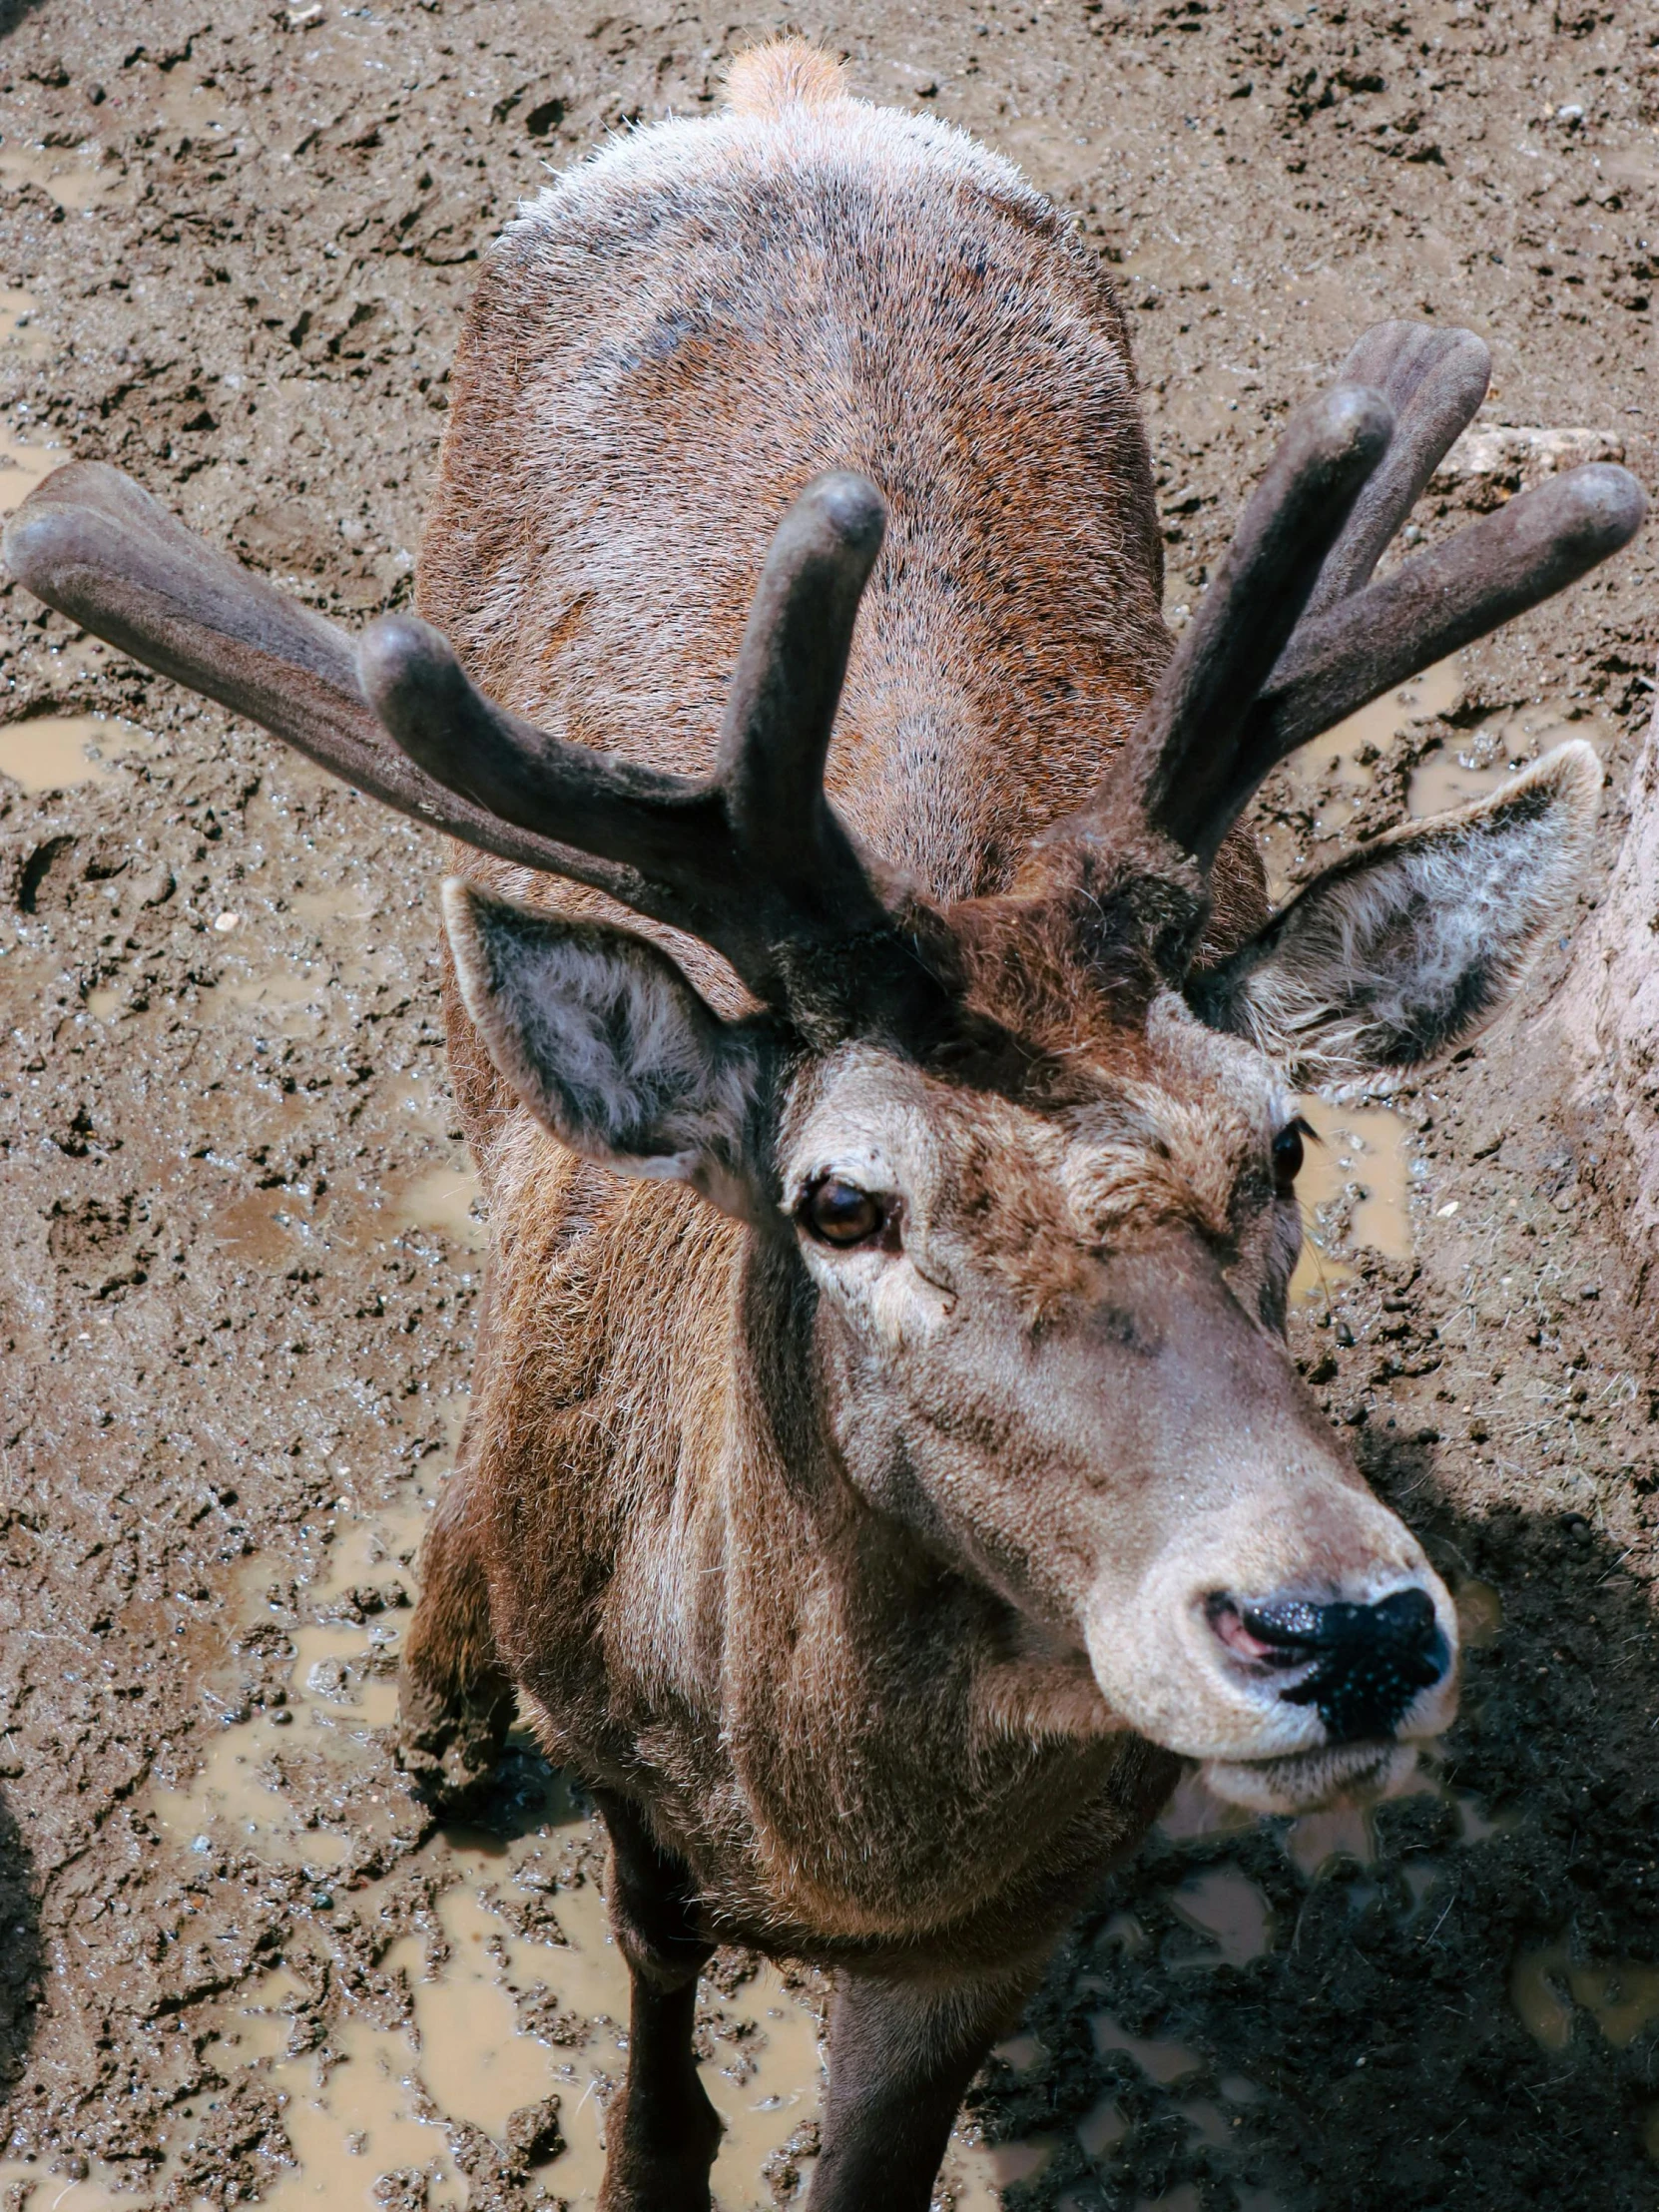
x: 1300, y: 1649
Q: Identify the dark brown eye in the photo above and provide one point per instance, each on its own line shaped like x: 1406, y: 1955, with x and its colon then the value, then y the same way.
x: 1288, y: 1155
x: 841, y: 1214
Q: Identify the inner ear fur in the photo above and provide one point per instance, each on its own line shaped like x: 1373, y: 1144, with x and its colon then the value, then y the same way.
x: 1406, y: 946
x: 608, y: 1044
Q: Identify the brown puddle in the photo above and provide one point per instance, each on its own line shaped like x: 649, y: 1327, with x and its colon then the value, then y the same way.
x: 1363, y: 1149
x: 1479, y: 1613
x: 332, y: 906
x: 196, y: 112
x: 1158, y: 2058
x: 258, y: 1228
x: 1228, y: 1907
x: 286, y: 987
x: 1330, y: 775
x: 281, y: 988
x: 22, y: 467
x: 380, y: 2101
x: 1621, y: 1996
x: 1488, y: 754
x: 342, y: 1683
x: 442, y: 1199
x: 1233, y: 1916
x: 53, y: 752
x: 1347, y: 752
x: 74, y: 176
x: 18, y: 335
x: 388, y: 2103
x: 1346, y: 1830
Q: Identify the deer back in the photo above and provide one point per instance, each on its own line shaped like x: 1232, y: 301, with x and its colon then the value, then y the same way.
x: 679, y: 335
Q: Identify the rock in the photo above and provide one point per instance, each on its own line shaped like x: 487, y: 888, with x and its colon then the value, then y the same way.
x: 1608, y: 1014
x: 1521, y: 456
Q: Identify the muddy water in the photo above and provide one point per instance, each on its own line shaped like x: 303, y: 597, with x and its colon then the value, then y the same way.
x: 448, y: 1199
x: 53, y: 752
x: 1486, y: 756
x: 23, y: 466
x: 289, y: 998
x: 392, y: 2101
x: 76, y: 176
x: 18, y: 335
x: 1353, y: 1189
x: 1347, y: 752
x: 378, y: 2100
x: 1227, y: 1907
x: 343, y: 1684
x: 1620, y: 1995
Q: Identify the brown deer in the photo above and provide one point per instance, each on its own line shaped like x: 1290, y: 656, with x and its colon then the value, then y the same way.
x: 885, y: 1466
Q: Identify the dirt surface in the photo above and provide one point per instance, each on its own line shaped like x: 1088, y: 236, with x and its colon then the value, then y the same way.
x: 238, y: 1287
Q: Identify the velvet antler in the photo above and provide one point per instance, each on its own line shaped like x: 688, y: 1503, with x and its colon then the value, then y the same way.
x: 1291, y: 636
x: 753, y: 860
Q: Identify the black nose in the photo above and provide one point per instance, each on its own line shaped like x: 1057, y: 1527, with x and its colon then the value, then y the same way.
x: 1370, y: 1661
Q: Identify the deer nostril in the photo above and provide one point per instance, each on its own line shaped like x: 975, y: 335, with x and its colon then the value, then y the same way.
x: 1362, y: 1665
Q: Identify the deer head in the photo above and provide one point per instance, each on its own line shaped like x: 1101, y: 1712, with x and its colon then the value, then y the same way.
x: 1028, y: 1164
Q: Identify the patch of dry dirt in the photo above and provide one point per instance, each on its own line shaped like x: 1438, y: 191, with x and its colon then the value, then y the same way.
x: 238, y: 1287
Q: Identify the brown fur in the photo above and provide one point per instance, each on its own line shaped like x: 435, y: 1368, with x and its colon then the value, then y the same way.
x: 711, y: 1571
x: 1013, y: 393
x: 884, y: 1457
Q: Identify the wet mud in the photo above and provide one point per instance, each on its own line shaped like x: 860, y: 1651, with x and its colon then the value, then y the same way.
x: 238, y: 1961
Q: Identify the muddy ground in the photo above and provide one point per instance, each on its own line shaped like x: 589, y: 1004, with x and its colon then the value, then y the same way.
x: 238, y: 1275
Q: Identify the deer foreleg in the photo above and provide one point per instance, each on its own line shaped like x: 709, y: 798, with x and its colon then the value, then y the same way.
x: 455, y: 1703
x: 901, y: 2056
x: 454, y: 1699
x: 661, y: 2131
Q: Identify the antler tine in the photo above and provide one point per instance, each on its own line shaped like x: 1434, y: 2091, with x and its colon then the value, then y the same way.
x: 1444, y: 599
x: 752, y: 861
x: 1184, y: 747
x: 520, y: 774
x: 93, y: 544
x: 788, y: 683
x: 1435, y: 381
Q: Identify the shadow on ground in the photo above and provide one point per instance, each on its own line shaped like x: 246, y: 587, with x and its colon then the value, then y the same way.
x: 1231, y: 2028
x: 14, y: 12
x: 20, y: 1958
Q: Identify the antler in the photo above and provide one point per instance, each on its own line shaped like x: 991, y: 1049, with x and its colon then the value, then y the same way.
x: 93, y: 544
x: 1435, y: 381
x: 1290, y: 637
x: 753, y: 860
x: 1188, y: 737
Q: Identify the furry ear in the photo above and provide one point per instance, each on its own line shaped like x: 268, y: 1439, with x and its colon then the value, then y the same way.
x: 1406, y: 946
x: 607, y: 1043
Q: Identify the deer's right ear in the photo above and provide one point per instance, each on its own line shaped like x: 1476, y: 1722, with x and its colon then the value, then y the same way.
x: 608, y: 1044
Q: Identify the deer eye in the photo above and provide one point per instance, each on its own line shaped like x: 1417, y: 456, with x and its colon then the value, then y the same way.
x: 840, y: 1213
x: 1288, y: 1155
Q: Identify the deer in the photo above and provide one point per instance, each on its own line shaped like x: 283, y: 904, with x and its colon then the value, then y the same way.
x: 885, y: 1473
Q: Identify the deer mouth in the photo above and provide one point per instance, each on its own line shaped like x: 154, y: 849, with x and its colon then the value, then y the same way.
x: 1363, y: 1666
x: 1301, y: 1782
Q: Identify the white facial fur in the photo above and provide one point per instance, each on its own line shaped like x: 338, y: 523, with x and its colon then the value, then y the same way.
x: 1063, y: 1367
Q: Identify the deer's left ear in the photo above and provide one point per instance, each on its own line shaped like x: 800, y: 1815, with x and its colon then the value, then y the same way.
x: 608, y: 1045
x: 1406, y: 946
